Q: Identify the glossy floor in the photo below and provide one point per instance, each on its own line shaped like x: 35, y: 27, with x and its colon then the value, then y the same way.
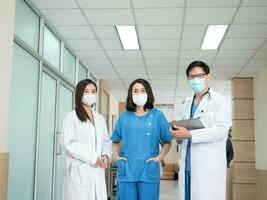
x: 168, y: 190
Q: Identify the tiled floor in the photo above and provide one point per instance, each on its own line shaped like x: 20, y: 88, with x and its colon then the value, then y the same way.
x: 168, y: 190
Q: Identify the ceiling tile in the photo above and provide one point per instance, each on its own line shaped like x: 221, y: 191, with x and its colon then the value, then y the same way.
x: 251, y: 70
x: 212, y: 3
x: 122, y: 55
x: 109, y: 16
x: 257, y: 63
x: 104, y: 3
x: 86, y: 55
x: 256, y: 15
x: 157, y: 3
x: 240, y: 44
x: 191, y: 44
x: 55, y: 4
x: 107, y: 76
x: 105, y: 32
x: 85, y: 44
x: 254, y: 3
x: 247, y: 31
x: 65, y: 17
x: 76, y: 32
x: 161, y: 63
x: 223, y: 76
x: 262, y: 54
x: 194, y: 32
x: 128, y: 63
x: 163, y: 69
x: 228, y: 63
x: 264, y: 47
x: 197, y: 54
x: 225, y: 70
x: 133, y: 70
x: 159, y: 16
x: 235, y: 54
x: 209, y: 15
x: 159, y: 32
x: 159, y: 44
x: 148, y: 54
x: 105, y: 64
x: 110, y: 44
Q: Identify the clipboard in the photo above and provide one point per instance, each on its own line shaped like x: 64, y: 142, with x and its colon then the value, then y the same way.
x: 190, y: 124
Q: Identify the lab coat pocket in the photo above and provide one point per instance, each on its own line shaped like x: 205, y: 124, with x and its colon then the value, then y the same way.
x: 83, y: 175
x: 121, y: 164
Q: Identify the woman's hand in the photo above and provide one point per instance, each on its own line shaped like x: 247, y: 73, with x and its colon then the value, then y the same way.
x: 117, y: 157
x: 104, y: 162
x: 98, y: 162
x: 156, y: 159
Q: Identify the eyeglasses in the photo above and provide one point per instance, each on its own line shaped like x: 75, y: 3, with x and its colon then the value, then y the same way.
x: 191, y: 76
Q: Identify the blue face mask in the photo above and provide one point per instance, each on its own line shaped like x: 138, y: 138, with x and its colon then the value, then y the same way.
x: 197, y: 85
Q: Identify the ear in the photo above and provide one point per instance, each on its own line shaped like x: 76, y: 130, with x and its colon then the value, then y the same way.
x: 208, y: 78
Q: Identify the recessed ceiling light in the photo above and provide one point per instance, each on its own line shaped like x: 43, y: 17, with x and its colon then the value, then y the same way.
x: 214, y: 36
x: 128, y: 37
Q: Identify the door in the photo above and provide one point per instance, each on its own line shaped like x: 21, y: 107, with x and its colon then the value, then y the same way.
x: 56, y: 102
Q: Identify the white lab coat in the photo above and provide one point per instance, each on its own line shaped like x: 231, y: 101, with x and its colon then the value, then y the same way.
x: 83, y: 180
x: 208, y: 149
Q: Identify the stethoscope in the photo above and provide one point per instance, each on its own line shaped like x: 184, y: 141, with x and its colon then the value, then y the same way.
x: 204, y: 95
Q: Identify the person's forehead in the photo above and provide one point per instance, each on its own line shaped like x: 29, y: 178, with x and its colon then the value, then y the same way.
x: 138, y: 86
x: 196, y: 70
x: 90, y: 86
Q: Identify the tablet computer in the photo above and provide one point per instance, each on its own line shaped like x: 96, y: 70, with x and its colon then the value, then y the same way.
x: 190, y: 124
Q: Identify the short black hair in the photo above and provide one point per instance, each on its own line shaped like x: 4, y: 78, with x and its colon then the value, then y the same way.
x: 201, y: 64
x: 130, y: 105
x: 80, y: 87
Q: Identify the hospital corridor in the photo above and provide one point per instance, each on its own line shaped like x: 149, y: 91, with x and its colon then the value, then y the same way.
x: 133, y: 99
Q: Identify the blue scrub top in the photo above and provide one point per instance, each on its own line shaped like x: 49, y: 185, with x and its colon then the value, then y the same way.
x: 140, y: 136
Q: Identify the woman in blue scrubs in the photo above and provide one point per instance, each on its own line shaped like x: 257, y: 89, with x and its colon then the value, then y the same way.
x: 140, y: 129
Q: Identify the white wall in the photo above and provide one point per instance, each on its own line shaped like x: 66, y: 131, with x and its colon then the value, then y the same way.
x: 260, y: 113
x: 7, y: 16
x: 113, y: 109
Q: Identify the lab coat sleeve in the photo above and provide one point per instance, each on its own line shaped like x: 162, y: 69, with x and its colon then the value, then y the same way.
x: 106, y: 147
x: 116, y: 135
x: 72, y: 147
x: 165, y: 134
x: 220, y: 127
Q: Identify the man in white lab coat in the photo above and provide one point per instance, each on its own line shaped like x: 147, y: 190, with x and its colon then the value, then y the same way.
x: 202, y: 156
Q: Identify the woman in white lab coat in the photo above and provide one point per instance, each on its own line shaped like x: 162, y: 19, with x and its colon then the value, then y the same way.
x: 88, y: 147
x: 202, y: 153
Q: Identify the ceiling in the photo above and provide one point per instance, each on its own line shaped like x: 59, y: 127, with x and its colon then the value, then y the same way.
x: 170, y: 34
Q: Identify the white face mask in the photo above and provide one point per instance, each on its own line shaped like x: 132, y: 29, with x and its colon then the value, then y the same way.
x: 140, y: 99
x: 89, y: 99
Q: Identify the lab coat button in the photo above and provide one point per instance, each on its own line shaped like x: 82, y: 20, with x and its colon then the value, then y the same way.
x: 150, y: 124
x: 148, y: 134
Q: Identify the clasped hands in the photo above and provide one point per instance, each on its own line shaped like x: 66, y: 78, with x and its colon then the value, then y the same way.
x: 102, y: 162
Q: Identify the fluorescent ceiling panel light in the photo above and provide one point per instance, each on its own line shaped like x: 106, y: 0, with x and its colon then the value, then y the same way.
x: 214, y: 36
x: 128, y: 37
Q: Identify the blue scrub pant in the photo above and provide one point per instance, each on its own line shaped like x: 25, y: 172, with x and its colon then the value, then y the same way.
x: 137, y: 191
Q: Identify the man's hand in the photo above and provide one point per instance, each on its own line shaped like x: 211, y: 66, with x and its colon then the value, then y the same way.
x: 180, y: 133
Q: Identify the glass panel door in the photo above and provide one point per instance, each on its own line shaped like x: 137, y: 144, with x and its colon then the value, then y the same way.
x: 46, y: 137
x: 65, y: 105
x: 22, y: 127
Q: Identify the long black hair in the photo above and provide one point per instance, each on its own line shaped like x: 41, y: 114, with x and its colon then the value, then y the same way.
x: 130, y: 105
x: 80, y: 87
